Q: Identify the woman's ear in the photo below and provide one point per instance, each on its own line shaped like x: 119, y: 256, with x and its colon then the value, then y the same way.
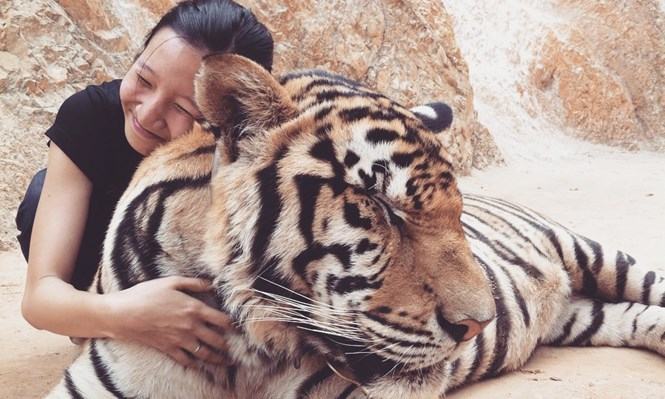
x: 241, y: 99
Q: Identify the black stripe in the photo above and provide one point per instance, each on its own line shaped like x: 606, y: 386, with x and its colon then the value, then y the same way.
x: 454, y: 368
x: 623, y: 263
x: 309, y: 188
x: 405, y: 329
x: 354, y: 218
x: 231, y: 374
x: 310, y: 383
x: 401, y: 342
x: 334, y: 95
x: 514, y: 229
x: 322, y: 131
x: 365, y: 245
x: 71, y: 387
x: 347, y: 391
x: 327, y: 83
x: 317, y: 251
x: 349, y: 284
x: 271, y: 207
x: 598, y: 318
x: 589, y: 283
x: 567, y: 328
x: 383, y: 268
x: 649, y: 279
x: 102, y: 372
x: 236, y: 251
x: 351, y: 159
x: 379, y: 135
x: 148, y: 247
x: 369, y: 181
x: 519, y: 298
x: 503, y: 325
x: 509, y: 256
x: 635, y: 320
x: 520, y: 213
x: 634, y: 330
x: 517, y: 260
x: 205, y: 150
x: 132, y: 239
x: 317, y: 74
x: 354, y: 114
x: 325, y: 151
x: 402, y: 356
x: 477, y: 360
x: 597, y: 251
x: 322, y: 113
x: 98, y: 286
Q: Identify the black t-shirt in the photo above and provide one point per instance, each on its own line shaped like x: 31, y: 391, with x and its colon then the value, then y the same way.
x: 89, y: 129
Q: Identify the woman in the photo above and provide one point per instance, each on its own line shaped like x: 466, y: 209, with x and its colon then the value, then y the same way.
x: 99, y: 136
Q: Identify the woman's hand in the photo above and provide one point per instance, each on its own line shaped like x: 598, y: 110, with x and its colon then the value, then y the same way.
x: 157, y: 313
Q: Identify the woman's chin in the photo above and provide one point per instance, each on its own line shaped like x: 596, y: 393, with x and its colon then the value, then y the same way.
x: 139, y: 144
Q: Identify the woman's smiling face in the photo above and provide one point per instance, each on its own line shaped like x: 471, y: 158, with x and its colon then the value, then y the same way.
x: 157, y: 93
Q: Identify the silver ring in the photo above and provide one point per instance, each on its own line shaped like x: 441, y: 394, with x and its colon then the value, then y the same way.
x: 198, y: 348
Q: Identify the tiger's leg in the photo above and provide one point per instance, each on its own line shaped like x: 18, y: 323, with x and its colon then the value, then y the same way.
x: 587, y: 322
x: 595, y: 271
x: 610, y: 275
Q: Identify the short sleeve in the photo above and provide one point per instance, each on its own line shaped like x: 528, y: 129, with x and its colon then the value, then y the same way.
x: 80, y: 130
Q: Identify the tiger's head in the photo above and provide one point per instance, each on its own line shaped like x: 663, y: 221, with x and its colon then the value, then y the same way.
x: 336, y: 220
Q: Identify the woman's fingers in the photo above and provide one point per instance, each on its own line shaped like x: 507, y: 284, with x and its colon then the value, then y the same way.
x: 178, y: 332
x: 213, y: 341
x: 217, y: 318
x: 188, y: 284
x: 181, y: 357
x: 207, y: 354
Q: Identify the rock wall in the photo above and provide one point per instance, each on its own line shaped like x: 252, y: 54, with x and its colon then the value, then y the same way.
x: 46, y: 54
x: 49, y: 50
x: 605, y: 73
x: 592, y: 70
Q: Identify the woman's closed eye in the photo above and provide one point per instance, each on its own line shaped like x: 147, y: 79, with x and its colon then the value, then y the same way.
x: 144, y: 82
x: 182, y: 109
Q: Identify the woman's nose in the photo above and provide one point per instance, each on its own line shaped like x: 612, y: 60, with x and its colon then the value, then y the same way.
x: 150, y: 114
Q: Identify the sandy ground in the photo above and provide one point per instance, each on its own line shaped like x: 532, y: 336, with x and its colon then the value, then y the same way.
x: 616, y: 198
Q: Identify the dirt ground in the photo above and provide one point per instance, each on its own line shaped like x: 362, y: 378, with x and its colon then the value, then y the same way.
x: 615, y: 198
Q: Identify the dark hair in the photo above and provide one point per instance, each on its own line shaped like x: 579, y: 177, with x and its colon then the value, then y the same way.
x: 219, y: 26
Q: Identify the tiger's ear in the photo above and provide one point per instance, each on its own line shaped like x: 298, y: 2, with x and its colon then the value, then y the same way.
x: 241, y: 99
x: 437, y: 116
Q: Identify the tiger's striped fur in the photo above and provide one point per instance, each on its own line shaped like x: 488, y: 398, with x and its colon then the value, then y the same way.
x: 329, y: 219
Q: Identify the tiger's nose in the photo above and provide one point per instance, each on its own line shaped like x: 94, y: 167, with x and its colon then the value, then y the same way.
x: 473, y: 327
x: 462, y: 330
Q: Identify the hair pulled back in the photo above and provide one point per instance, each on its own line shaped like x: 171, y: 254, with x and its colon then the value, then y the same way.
x: 219, y: 26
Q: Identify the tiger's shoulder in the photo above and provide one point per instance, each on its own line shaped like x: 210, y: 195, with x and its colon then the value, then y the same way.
x: 188, y: 156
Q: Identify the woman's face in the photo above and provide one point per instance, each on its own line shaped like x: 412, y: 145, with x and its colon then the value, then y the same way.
x: 157, y: 93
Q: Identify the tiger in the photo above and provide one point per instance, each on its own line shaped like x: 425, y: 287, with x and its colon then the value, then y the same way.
x: 329, y: 219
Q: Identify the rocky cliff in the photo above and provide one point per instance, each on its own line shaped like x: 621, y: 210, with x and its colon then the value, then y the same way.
x: 591, y: 70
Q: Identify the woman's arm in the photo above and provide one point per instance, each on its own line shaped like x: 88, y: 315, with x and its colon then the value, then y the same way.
x: 50, y: 302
